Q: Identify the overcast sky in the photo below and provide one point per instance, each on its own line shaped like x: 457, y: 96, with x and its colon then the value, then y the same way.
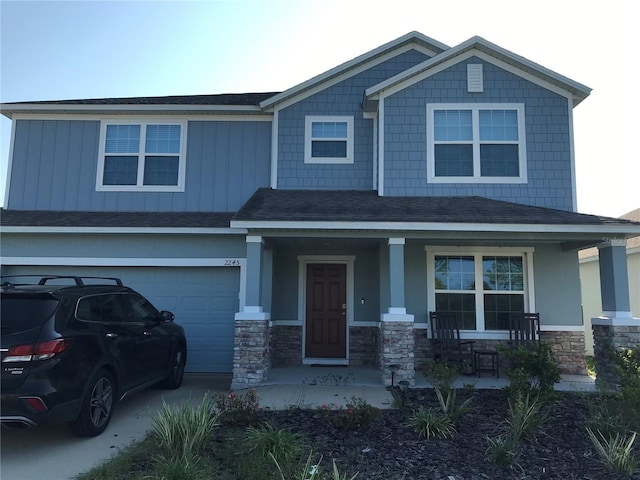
x: 52, y: 50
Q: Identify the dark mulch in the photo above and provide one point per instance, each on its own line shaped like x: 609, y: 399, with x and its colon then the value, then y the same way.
x: 389, y: 449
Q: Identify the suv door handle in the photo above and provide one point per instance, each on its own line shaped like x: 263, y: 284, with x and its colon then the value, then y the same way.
x: 147, y: 333
x: 112, y: 335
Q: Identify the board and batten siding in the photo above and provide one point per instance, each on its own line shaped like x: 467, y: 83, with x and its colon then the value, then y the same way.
x: 55, y: 164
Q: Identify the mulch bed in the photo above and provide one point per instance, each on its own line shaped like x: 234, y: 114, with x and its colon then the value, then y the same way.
x: 389, y: 449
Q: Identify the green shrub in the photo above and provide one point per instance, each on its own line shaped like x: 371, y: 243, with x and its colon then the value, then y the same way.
x: 534, y: 371
x: 628, y: 369
x: 430, y: 422
x: 357, y: 414
x: 184, y: 430
x: 449, y: 406
x: 616, y: 452
x: 238, y: 409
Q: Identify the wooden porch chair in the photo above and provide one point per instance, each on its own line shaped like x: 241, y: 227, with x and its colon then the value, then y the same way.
x: 445, y: 339
x: 524, y: 330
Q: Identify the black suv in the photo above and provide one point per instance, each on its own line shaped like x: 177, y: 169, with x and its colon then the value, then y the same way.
x: 72, y: 347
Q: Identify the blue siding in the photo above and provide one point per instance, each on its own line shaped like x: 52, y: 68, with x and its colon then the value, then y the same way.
x: 344, y: 98
x: 547, y: 128
x: 55, y: 164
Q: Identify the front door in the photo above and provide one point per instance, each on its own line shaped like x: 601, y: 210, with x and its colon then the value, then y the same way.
x: 326, y: 311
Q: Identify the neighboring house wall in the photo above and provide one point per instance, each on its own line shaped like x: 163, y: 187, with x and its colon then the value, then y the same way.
x: 547, y: 117
x: 590, y: 287
x: 55, y: 164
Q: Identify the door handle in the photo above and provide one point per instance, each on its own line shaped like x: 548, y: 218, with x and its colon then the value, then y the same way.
x: 147, y: 333
x: 112, y: 335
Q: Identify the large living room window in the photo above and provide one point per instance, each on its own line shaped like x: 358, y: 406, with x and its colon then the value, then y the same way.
x: 147, y: 156
x: 481, y: 287
x: 480, y: 143
x: 328, y: 139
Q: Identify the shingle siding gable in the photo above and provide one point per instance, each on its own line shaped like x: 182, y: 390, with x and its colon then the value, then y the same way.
x: 344, y: 98
x: 547, y: 129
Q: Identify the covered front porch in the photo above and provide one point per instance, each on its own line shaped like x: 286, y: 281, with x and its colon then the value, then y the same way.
x: 334, y: 287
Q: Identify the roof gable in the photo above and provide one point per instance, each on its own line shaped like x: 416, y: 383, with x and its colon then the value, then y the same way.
x: 478, y: 46
x: 412, y: 40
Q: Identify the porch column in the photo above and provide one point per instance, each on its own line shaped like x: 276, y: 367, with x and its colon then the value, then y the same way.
x: 251, y: 350
x: 616, y: 328
x: 396, y: 326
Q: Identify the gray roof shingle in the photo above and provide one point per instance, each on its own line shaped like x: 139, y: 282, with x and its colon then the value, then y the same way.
x: 366, y: 206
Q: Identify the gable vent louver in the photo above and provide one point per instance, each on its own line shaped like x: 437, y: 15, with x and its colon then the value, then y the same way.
x: 474, y: 78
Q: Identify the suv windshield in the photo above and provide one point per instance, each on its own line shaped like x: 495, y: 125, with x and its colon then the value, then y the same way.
x: 25, y: 311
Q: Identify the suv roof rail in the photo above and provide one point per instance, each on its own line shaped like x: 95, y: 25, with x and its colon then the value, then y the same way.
x: 79, y: 281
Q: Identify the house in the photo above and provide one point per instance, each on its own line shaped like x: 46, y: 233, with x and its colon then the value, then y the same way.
x: 321, y: 224
x: 590, y: 281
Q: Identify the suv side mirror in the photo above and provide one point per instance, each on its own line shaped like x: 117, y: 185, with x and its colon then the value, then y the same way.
x: 167, y: 316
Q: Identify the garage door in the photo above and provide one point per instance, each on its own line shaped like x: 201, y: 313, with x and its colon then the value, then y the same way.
x: 204, y: 301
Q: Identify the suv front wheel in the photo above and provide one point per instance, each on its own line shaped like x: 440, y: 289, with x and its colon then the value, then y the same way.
x: 97, y: 406
x: 176, y: 372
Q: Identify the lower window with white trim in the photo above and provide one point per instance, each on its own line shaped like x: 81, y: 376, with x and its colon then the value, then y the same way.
x: 481, y: 287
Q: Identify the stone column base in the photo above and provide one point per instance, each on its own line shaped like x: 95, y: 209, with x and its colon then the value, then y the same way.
x: 397, y: 352
x: 610, y: 335
x: 250, y: 353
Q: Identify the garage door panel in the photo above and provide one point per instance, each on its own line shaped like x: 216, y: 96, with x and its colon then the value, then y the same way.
x: 203, y: 300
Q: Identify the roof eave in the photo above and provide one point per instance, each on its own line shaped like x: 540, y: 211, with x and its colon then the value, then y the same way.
x: 10, y: 110
x: 577, y: 90
x: 624, y: 230
x: 412, y: 37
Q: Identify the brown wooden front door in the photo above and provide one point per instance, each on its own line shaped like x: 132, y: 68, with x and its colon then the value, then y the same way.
x: 326, y: 311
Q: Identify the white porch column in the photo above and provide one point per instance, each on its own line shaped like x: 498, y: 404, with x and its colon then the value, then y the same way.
x: 616, y: 328
x: 251, y: 356
x: 396, y: 326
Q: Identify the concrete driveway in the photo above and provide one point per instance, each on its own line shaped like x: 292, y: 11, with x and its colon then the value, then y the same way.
x: 52, y: 452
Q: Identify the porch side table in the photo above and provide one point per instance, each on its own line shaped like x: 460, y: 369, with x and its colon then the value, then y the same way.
x: 494, y: 355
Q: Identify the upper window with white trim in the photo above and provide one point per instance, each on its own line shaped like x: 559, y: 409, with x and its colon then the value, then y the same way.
x: 145, y: 155
x: 476, y: 143
x: 328, y: 139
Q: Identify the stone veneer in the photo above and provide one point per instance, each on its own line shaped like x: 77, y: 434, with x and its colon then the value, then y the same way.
x: 250, y: 353
x: 397, y: 347
x: 606, y: 337
x: 286, y: 346
x: 363, y: 346
x: 568, y: 348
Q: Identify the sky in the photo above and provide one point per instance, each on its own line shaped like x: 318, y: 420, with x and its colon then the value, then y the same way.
x: 52, y: 50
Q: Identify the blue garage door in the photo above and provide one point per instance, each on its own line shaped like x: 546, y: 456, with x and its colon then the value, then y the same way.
x: 203, y: 299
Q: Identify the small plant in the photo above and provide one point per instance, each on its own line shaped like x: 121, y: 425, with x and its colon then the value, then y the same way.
x: 502, y: 450
x: 430, y: 422
x: 616, y: 452
x: 525, y: 417
x: 179, y: 468
x: 312, y: 471
x: 265, y: 441
x: 449, y: 407
x: 357, y: 414
x: 184, y: 430
x: 237, y: 409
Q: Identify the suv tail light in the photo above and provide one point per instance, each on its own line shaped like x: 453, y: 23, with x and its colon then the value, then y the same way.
x: 39, y: 351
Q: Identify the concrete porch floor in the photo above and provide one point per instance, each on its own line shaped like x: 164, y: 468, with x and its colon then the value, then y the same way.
x: 371, y: 377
